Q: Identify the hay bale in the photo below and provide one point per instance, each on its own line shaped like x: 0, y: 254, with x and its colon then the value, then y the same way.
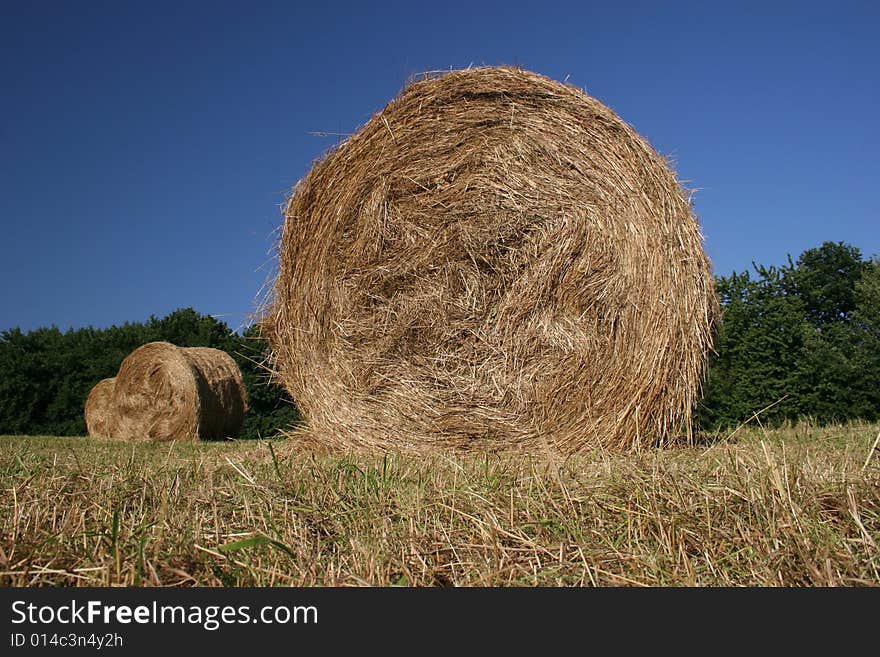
x: 99, y: 412
x: 494, y: 259
x: 164, y: 392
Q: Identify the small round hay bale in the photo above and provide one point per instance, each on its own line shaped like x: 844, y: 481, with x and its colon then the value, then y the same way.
x: 164, y: 392
x: 99, y: 411
x: 494, y: 259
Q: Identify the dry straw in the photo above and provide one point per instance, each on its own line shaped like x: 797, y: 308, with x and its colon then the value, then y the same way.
x: 164, y: 392
x: 99, y: 409
x: 495, y: 259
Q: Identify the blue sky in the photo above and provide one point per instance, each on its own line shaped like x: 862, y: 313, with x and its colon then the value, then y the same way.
x: 146, y: 147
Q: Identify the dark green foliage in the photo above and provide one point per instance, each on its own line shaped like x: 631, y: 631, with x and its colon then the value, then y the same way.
x: 46, y: 375
x: 269, y: 406
x: 800, y: 340
x: 866, y: 322
x: 825, y: 279
x: 867, y: 312
x: 761, y: 335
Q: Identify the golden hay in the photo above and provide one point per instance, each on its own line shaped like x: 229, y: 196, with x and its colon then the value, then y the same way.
x: 99, y: 409
x: 164, y: 392
x: 495, y: 259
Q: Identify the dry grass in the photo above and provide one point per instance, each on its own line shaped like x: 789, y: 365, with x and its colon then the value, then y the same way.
x: 794, y: 507
x: 164, y: 392
x: 495, y: 258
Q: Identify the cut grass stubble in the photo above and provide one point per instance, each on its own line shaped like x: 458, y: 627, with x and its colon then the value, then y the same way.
x: 794, y: 507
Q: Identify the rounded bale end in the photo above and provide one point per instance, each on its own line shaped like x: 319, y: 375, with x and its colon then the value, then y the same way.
x: 164, y: 392
x: 221, y: 391
x: 99, y: 410
x: 157, y: 395
x: 495, y: 259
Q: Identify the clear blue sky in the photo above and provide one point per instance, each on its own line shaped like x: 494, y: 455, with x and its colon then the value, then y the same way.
x: 146, y: 147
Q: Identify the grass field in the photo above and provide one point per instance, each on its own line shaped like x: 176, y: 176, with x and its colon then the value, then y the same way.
x: 798, y: 506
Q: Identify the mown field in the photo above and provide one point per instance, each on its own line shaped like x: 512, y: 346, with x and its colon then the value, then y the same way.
x: 798, y: 506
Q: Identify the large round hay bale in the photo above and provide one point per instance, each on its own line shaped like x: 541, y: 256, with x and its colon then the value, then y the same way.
x: 495, y: 258
x: 164, y: 392
x: 99, y: 412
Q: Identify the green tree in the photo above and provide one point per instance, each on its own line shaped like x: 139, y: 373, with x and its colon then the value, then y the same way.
x: 831, y: 371
x: 187, y: 328
x: 759, y: 340
x: 800, y: 339
x: 866, y: 327
x: 270, y: 407
x: 867, y: 312
x: 825, y: 279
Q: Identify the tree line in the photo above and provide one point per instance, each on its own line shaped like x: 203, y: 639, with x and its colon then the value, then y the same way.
x: 46, y: 375
x: 797, y: 341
